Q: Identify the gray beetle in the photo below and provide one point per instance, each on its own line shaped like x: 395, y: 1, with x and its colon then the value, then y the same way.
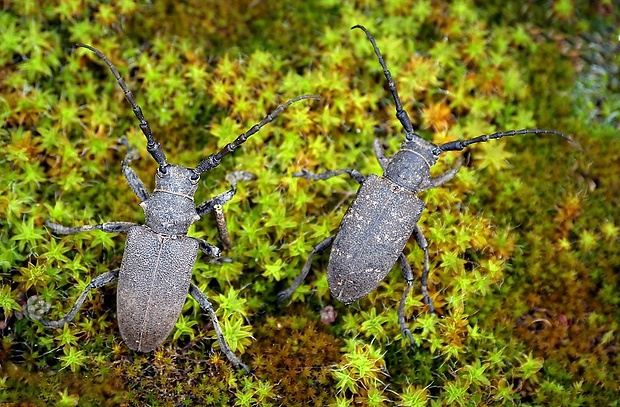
x: 385, y: 213
x: 155, y: 273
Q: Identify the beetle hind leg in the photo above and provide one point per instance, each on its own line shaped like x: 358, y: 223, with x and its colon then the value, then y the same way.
x: 408, y: 275
x: 421, y: 240
x: 205, y: 304
x: 97, y: 282
x: 304, y: 272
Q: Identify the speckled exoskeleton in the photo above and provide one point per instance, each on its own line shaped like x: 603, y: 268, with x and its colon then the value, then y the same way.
x: 385, y: 213
x: 155, y: 273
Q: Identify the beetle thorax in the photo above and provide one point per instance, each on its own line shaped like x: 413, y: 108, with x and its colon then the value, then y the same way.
x: 410, y: 167
x: 171, y: 210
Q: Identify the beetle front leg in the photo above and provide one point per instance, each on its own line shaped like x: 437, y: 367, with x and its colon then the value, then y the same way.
x: 304, y: 272
x: 132, y: 178
x: 108, y: 227
x: 208, y: 308
x: 421, y: 240
x: 448, y: 175
x: 97, y: 282
x: 221, y: 199
x: 356, y: 175
x: 377, y: 146
x: 215, y: 205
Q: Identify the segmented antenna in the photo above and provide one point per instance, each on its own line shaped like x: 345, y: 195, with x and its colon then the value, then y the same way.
x: 458, y: 145
x: 401, y: 114
x: 153, y: 147
x: 214, y: 159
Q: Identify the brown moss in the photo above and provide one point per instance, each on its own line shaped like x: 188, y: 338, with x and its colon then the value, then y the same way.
x: 296, y: 355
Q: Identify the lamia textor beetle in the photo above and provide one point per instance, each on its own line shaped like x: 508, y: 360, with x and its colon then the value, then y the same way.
x: 385, y: 213
x: 156, y: 269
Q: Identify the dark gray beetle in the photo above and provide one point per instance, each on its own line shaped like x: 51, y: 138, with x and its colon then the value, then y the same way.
x: 154, y: 278
x: 385, y: 212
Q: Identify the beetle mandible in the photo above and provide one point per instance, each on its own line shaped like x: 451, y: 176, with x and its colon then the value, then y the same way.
x: 385, y: 213
x: 155, y: 273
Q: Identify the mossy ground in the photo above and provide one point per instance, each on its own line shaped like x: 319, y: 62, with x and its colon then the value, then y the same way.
x: 523, y: 242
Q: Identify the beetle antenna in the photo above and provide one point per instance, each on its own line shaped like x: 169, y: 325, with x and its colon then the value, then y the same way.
x: 153, y: 147
x: 401, y: 114
x: 214, y: 159
x: 461, y: 144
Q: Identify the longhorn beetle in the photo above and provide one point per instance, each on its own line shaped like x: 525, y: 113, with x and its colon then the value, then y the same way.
x: 155, y: 273
x: 385, y: 212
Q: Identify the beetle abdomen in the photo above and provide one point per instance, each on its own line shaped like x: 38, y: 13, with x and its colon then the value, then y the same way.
x: 371, y: 236
x: 152, y: 286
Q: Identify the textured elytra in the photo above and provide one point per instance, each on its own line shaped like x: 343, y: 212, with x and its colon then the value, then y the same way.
x: 372, y: 235
x: 152, y: 286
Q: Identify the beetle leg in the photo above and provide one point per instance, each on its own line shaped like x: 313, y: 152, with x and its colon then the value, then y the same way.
x: 215, y: 205
x: 377, y: 146
x: 304, y: 272
x: 356, y: 175
x: 208, y: 249
x: 408, y: 275
x: 221, y: 199
x: 209, y: 206
x: 97, y: 282
x: 132, y: 178
x: 421, y: 240
x: 108, y: 227
x: 222, y: 227
x: 208, y: 308
x: 448, y: 175
x: 212, y: 251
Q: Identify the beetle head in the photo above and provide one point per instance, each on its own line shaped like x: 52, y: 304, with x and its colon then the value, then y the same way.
x: 411, y: 165
x: 177, y: 180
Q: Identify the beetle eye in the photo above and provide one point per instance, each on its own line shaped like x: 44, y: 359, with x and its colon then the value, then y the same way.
x: 194, y: 177
x: 161, y: 171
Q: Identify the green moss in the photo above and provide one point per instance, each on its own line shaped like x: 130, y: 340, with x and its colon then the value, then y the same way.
x: 523, y: 242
